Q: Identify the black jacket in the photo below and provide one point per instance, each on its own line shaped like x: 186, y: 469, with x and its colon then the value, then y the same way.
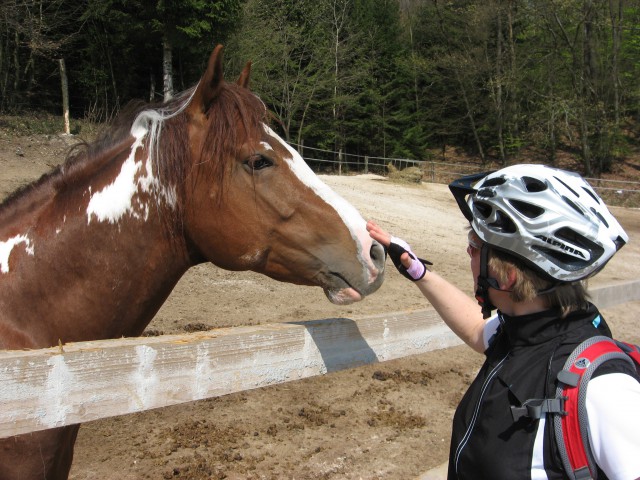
x: 522, y: 363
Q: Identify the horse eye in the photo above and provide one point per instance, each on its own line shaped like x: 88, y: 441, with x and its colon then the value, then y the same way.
x: 258, y: 162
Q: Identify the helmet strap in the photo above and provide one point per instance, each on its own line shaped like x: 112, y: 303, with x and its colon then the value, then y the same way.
x: 549, y: 289
x: 484, y: 283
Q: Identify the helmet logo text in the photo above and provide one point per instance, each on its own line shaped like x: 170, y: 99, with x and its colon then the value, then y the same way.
x: 563, y: 246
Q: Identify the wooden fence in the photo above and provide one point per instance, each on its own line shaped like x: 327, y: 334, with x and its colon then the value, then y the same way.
x: 614, y: 192
x: 79, y: 382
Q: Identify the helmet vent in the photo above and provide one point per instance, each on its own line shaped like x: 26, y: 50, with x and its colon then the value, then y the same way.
x: 567, y: 187
x: 574, y: 238
x: 493, y: 182
x: 534, y: 185
x: 486, y: 192
x: 564, y: 261
x: 592, y: 194
x: 573, y: 205
x: 600, y: 217
x: 527, y: 209
x: 483, y: 209
x: 619, y: 242
x: 503, y: 223
x: 567, y: 256
x: 571, y: 236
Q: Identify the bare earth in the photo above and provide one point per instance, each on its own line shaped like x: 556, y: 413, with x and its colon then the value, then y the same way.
x: 384, y: 421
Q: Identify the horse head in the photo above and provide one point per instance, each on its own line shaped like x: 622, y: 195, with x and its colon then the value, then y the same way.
x: 252, y: 203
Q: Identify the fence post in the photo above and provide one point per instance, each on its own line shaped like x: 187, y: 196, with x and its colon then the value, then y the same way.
x: 340, y: 162
x: 366, y: 164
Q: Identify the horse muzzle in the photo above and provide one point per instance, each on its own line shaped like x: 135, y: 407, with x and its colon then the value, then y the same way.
x: 343, y: 291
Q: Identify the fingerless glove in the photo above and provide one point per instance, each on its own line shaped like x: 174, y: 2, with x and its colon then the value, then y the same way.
x: 418, y: 266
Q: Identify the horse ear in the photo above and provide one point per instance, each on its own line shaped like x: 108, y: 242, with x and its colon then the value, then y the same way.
x: 210, y: 83
x: 243, y: 80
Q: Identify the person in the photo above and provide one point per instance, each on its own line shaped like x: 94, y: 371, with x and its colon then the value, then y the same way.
x: 536, y: 234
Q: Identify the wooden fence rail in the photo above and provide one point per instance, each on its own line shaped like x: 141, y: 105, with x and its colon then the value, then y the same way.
x: 85, y: 381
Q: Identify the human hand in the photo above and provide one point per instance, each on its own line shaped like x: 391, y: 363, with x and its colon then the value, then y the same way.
x: 377, y: 233
x: 407, y: 263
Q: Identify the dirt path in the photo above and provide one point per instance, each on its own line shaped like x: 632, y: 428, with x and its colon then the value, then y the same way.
x: 387, y: 420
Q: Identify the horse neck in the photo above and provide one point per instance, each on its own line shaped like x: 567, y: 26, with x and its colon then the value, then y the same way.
x: 96, y: 259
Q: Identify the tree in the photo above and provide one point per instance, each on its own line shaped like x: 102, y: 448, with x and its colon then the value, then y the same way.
x: 454, y: 42
x: 153, y: 40
x: 581, y: 33
x: 372, y: 77
x: 289, y: 60
x: 365, y: 48
x: 34, y: 35
x: 182, y: 23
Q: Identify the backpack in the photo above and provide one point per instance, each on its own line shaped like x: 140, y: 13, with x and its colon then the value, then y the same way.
x: 572, y: 427
x: 570, y: 422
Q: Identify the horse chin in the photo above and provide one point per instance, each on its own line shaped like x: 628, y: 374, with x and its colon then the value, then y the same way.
x: 344, y: 296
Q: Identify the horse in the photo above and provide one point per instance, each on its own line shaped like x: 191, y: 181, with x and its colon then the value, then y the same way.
x: 92, y: 249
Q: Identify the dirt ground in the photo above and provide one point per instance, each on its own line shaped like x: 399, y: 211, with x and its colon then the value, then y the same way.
x: 384, y: 421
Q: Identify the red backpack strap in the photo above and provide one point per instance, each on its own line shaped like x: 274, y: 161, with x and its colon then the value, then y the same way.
x: 572, y: 427
x: 631, y: 350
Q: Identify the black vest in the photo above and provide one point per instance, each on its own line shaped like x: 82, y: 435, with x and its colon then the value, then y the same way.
x: 522, y: 363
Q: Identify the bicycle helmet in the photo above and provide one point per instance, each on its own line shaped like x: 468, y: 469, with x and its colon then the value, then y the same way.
x: 550, y: 218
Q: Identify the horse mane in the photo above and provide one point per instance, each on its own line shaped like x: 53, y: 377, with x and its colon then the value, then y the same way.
x: 223, y: 135
x: 167, y: 142
x: 168, y: 139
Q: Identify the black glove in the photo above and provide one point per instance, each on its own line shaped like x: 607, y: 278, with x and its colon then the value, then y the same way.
x: 418, y: 266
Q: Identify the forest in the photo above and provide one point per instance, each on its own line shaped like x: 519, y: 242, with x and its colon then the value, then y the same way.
x: 386, y: 78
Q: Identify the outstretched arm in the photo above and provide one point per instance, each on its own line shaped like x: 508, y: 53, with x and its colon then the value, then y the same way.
x: 460, y: 312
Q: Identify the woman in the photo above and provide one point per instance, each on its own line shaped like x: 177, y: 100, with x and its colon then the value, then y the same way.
x: 536, y: 234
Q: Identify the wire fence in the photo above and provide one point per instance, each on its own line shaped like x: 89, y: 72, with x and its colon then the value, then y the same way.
x: 624, y: 193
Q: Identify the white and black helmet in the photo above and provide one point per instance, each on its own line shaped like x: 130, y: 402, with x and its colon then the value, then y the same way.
x: 552, y: 219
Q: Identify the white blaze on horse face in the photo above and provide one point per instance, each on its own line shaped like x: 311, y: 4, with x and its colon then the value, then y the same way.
x: 7, y: 246
x: 116, y: 200
x: 347, y: 212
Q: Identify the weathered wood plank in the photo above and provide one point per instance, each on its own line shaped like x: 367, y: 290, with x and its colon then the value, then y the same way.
x: 86, y: 381
x: 90, y: 380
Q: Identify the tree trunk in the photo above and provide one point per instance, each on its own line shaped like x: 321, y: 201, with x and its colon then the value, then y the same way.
x: 514, y: 108
x: 167, y: 67
x: 498, y: 92
x: 65, y: 96
x: 4, y: 73
x: 339, y: 18
x: 152, y: 87
x: 16, y: 63
x: 616, y: 38
x: 472, y: 122
x: 589, y: 91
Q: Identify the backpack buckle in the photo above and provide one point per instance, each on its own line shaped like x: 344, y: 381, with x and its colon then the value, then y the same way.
x: 536, y: 407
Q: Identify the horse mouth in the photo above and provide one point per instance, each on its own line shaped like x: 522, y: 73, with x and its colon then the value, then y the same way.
x: 341, y: 291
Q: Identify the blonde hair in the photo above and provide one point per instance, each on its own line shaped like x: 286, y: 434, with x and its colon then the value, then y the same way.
x: 530, y: 285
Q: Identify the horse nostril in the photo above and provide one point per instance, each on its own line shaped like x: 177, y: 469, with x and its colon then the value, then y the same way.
x: 377, y: 254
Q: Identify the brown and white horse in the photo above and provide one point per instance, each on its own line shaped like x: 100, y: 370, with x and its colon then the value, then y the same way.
x: 93, y: 249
